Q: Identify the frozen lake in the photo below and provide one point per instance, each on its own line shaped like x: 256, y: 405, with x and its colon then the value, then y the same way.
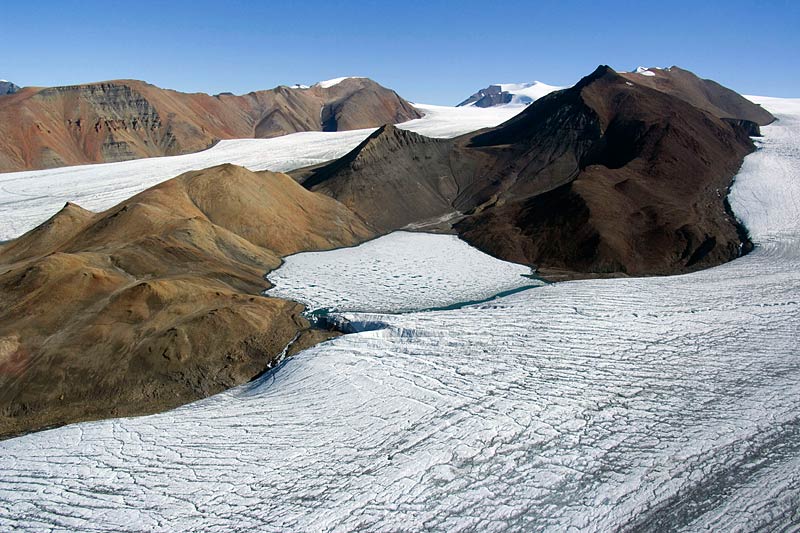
x: 396, y: 273
x: 650, y: 404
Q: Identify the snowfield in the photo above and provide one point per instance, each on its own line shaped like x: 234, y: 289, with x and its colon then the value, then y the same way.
x: 526, y: 93
x: 29, y: 198
x: 664, y: 403
x: 396, y: 273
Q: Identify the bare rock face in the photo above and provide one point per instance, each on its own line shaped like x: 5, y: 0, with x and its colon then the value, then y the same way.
x: 609, y: 177
x: 490, y: 96
x: 155, y: 302
x: 128, y: 119
x: 6, y: 87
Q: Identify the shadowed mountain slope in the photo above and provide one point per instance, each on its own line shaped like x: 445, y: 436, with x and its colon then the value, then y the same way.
x: 393, y: 178
x: 154, y: 302
x: 128, y: 119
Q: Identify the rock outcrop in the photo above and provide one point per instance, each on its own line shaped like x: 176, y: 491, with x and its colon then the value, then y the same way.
x: 128, y: 119
x: 6, y: 87
x: 155, y: 302
x: 393, y: 178
x: 509, y: 93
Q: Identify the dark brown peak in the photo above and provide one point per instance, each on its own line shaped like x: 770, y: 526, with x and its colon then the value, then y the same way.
x: 386, y: 139
x: 602, y: 71
x: 705, y: 94
x: 390, y: 131
x: 531, y: 120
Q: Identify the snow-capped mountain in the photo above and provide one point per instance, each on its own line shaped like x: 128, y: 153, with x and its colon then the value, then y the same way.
x: 6, y: 87
x: 327, y: 84
x: 515, y: 94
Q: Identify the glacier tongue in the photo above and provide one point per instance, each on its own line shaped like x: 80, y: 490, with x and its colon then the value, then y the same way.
x: 632, y: 404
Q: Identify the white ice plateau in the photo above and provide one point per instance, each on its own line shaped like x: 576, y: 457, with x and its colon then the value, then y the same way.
x: 521, y: 94
x: 649, y: 404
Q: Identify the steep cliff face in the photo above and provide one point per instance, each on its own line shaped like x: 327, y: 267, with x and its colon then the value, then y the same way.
x: 154, y: 302
x: 128, y: 119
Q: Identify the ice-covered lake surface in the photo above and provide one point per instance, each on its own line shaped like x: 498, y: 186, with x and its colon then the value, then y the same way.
x: 655, y: 404
x: 396, y: 273
x: 29, y: 198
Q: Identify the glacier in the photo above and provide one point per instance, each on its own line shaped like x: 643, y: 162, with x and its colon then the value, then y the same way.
x: 647, y: 404
x: 28, y: 198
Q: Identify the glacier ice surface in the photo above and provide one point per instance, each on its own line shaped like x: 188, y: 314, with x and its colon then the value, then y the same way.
x: 661, y: 403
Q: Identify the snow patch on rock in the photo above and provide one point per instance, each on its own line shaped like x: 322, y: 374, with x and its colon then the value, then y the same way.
x: 335, y: 81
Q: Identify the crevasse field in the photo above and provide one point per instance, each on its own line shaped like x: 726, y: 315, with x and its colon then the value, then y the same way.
x: 668, y: 403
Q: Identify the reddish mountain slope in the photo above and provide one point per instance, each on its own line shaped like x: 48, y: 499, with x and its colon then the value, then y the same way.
x: 128, y: 119
x: 155, y: 302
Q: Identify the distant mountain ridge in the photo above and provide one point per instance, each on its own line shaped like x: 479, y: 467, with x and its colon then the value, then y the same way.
x: 6, y: 87
x: 128, y: 119
x: 509, y: 94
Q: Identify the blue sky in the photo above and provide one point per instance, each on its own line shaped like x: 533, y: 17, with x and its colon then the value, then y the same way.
x: 429, y: 51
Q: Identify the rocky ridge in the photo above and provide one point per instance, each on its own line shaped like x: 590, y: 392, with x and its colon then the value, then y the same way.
x: 126, y: 119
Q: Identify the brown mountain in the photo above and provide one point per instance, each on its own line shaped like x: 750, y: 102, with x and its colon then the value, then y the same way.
x: 128, y: 119
x: 607, y: 177
x: 155, y: 302
x: 708, y: 95
x: 373, y: 180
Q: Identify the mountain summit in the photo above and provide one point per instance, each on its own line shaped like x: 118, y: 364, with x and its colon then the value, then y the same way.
x: 607, y: 177
x: 509, y: 94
